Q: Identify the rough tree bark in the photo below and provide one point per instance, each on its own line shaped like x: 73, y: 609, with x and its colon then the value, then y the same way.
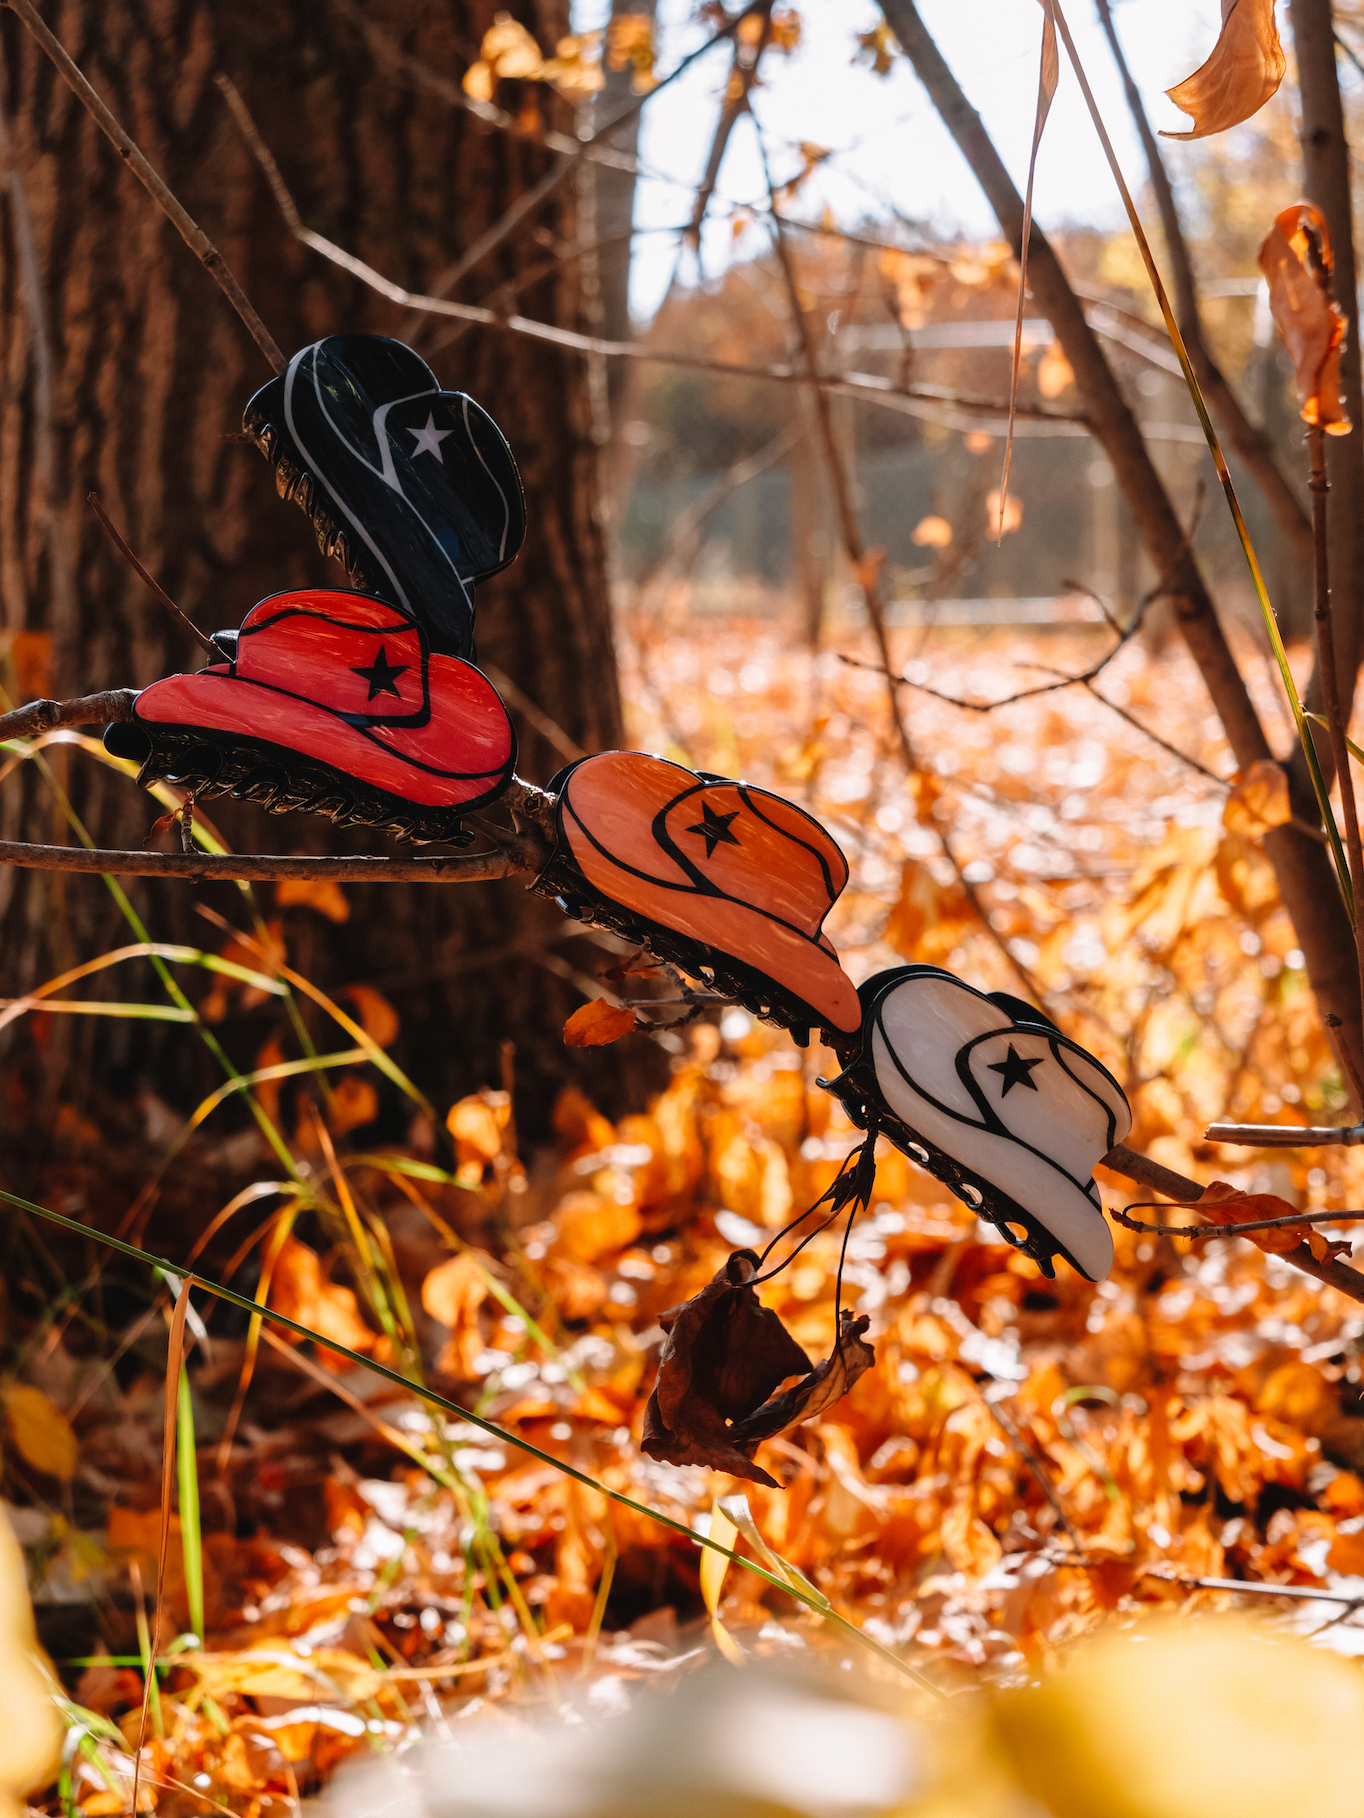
x: 150, y: 371
x: 1326, y: 179
x: 1301, y: 866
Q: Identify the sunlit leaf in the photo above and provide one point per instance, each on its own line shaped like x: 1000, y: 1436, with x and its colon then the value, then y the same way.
x: 932, y: 533
x: 322, y: 894
x: 41, y: 1433
x: 1297, y: 263
x: 714, y: 1567
x: 300, y: 1290
x: 1244, y: 71
x: 597, y: 1024
x: 1258, y: 801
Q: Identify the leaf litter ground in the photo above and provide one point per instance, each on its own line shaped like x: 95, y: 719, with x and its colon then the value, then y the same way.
x: 1026, y: 1461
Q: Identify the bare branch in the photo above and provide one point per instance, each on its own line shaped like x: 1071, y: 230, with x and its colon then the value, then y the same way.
x: 1180, y: 1188
x: 37, y: 717
x: 189, y: 230
x: 518, y: 854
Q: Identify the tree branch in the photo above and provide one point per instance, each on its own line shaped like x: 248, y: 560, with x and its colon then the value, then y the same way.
x: 37, y: 717
x: 519, y: 854
x: 1148, y: 1173
x: 1301, y: 866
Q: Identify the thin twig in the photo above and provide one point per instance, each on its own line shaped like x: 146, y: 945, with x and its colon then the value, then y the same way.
x: 1237, y: 1229
x: 190, y: 232
x: 549, y: 729
x: 152, y: 585
x: 917, y: 400
x: 1181, y: 1189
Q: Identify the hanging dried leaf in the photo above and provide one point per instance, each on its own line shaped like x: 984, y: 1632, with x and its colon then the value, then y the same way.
x: 877, y: 49
x: 1258, y: 801
x: 725, y: 1353
x: 41, y: 1433
x: 1228, y: 1205
x: 1244, y: 71
x: 816, y: 1393
x: 597, y: 1024
x: 630, y: 45
x: 1297, y: 263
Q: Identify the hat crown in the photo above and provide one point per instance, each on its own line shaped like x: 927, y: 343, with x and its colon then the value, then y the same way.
x: 354, y: 655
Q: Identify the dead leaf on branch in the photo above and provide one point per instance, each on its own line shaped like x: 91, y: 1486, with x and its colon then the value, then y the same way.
x: 597, y: 1024
x: 877, y: 49
x: 724, y: 1355
x: 1258, y: 801
x: 816, y: 1393
x: 1228, y: 1205
x: 1244, y: 71
x: 1297, y: 263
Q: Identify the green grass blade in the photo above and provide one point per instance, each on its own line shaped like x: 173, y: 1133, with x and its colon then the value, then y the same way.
x: 447, y: 1406
x: 191, y: 1537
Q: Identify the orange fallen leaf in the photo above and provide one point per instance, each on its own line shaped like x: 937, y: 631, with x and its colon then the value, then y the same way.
x: 477, y: 1124
x: 375, y: 1015
x: 1297, y: 263
x: 1258, y: 801
x: 1244, y: 71
x: 300, y: 1290
x: 322, y: 894
x: 29, y: 656
x: 354, y: 1104
x: 597, y: 1024
x: 453, y: 1293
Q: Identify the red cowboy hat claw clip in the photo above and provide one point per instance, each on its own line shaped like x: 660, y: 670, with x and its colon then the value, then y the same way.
x: 333, y: 703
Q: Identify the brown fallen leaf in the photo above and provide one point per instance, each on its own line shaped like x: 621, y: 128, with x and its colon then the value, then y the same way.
x: 1258, y: 801
x: 597, y: 1024
x: 814, y: 1394
x: 1244, y: 71
x: 322, y: 894
x: 454, y: 1293
x: 1297, y: 263
x: 374, y: 1013
x: 300, y: 1290
x: 725, y: 1354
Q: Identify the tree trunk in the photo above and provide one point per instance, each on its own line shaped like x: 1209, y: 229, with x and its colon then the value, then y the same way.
x: 1326, y: 179
x: 150, y: 372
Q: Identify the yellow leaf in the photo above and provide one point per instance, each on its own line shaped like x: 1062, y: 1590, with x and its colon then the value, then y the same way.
x: 713, y: 1569
x: 510, y: 49
x: 1258, y: 801
x: 322, y: 894
x: 932, y: 533
x: 1296, y: 261
x: 41, y: 1433
x: 597, y: 1024
x: 478, y: 81
x: 1245, y: 69
x: 477, y: 1124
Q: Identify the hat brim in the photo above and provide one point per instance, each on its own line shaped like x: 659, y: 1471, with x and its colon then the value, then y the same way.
x: 215, y: 701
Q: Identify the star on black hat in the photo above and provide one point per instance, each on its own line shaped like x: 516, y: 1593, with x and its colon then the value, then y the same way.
x: 382, y: 675
x: 1015, y: 1071
x: 714, y: 828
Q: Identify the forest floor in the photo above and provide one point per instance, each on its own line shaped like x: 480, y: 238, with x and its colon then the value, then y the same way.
x: 1027, y: 1461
